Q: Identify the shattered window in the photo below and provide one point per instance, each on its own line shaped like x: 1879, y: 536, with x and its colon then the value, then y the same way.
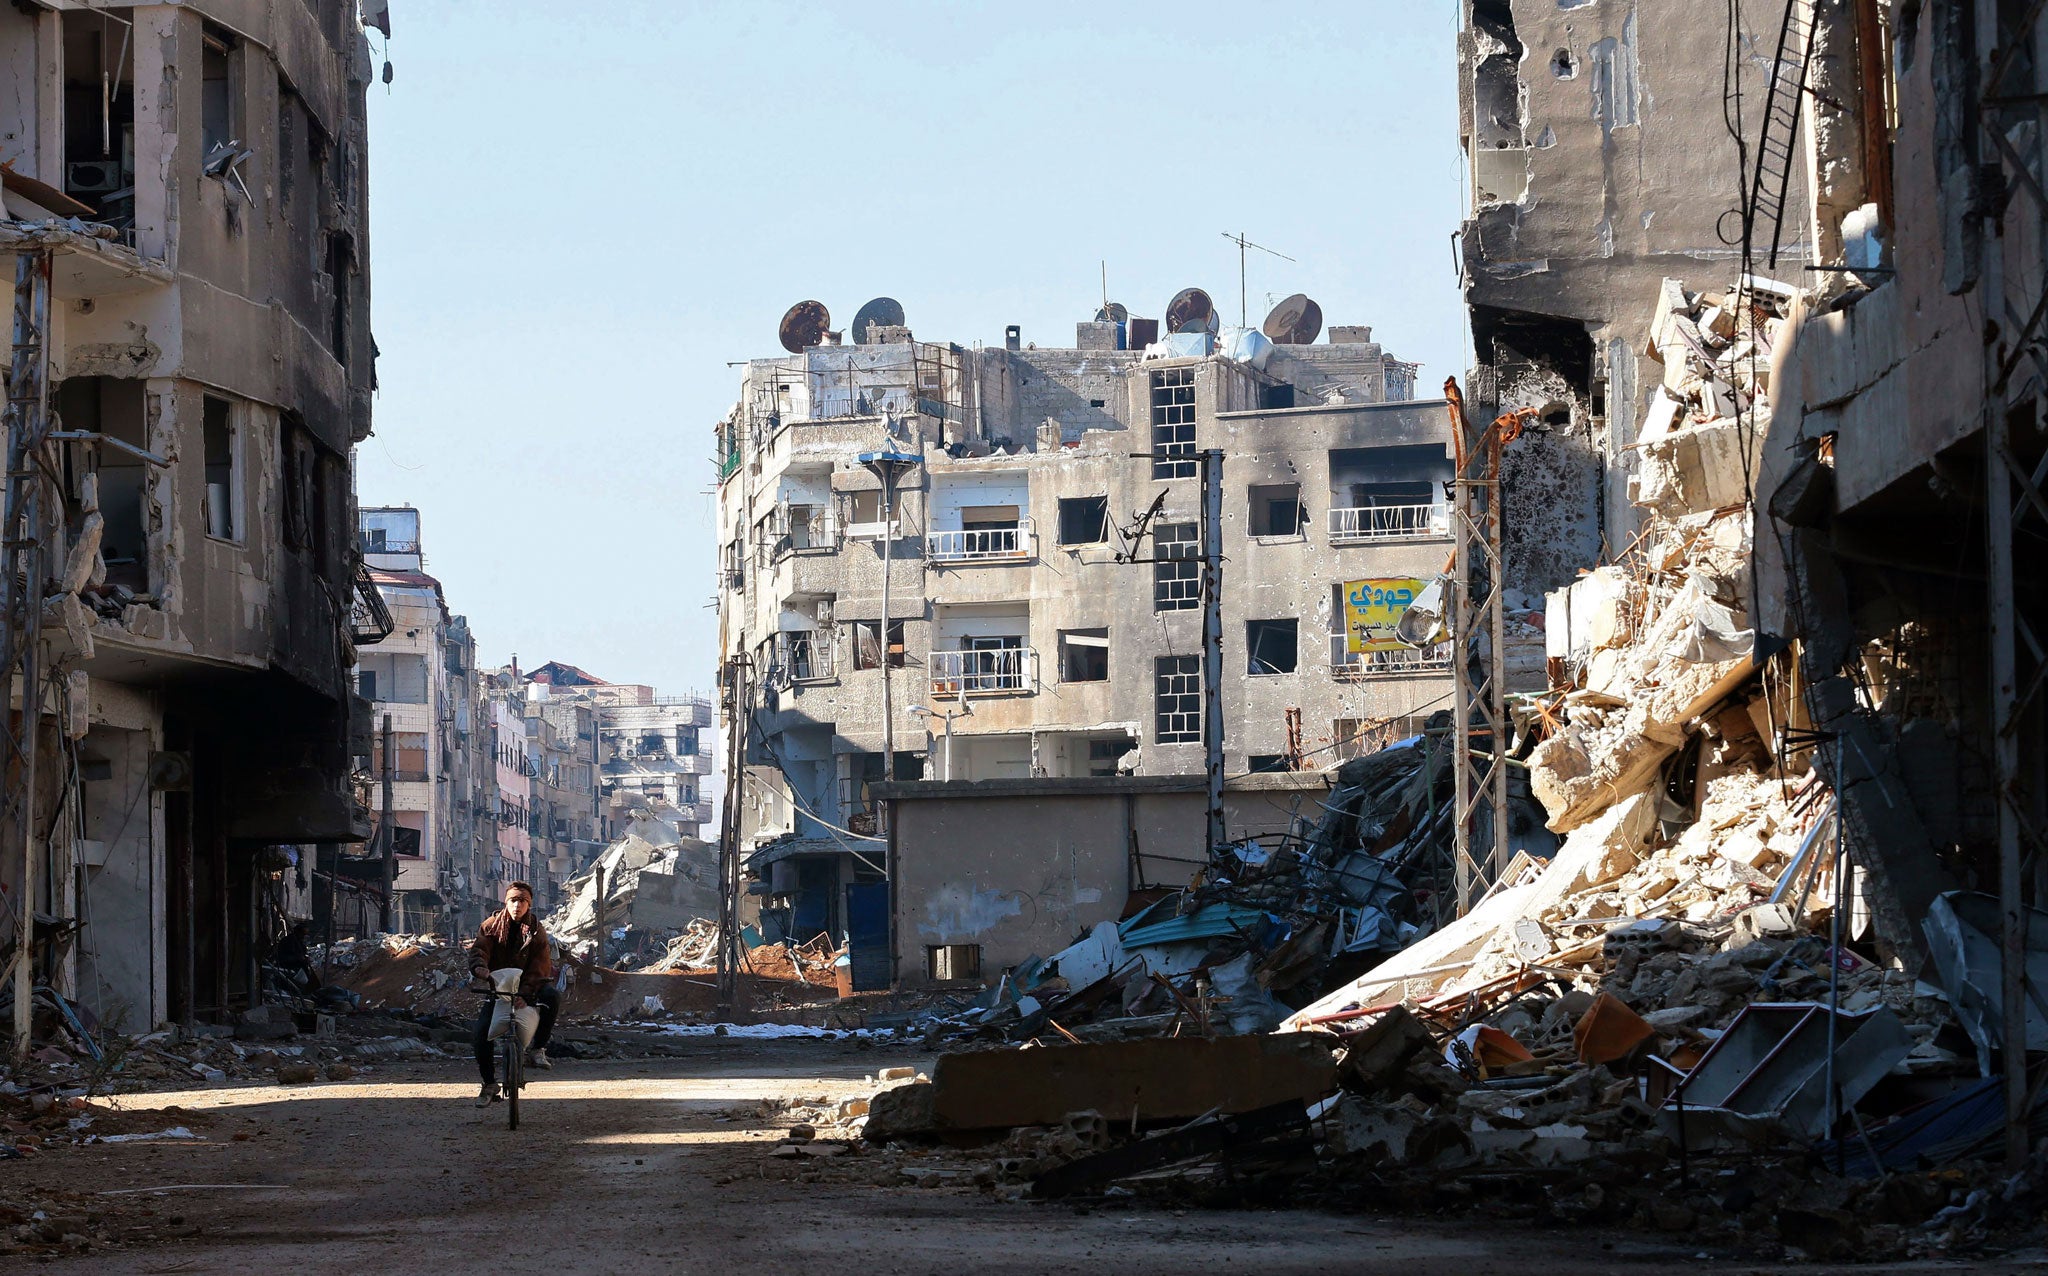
x: 1177, y: 699
x: 1173, y: 423
x: 1272, y: 646
x: 1084, y: 655
x: 867, y: 644
x: 1084, y: 520
x: 1276, y: 509
x: 1176, y: 569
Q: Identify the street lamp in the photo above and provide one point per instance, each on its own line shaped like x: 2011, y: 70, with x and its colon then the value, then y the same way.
x: 888, y: 465
x: 964, y: 710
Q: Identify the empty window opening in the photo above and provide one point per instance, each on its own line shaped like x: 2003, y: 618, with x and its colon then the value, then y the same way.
x: 946, y: 962
x: 1177, y: 699
x: 1097, y: 403
x: 99, y: 115
x: 1276, y: 396
x: 1276, y: 510
x: 867, y: 644
x: 811, y: 527
x: 1084, y: 520
x: 1262, y: 763
x: 112, y: 407
x: 1173, y: 423
x: 341, y: 255
x: 1272, y: 646
x: 218, y: 429
x: 216, y: 98
x: 1176, y: 569
x: 1106, y: 756
x: 1084, y: 655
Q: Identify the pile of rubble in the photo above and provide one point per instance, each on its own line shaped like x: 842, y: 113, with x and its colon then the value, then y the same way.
x: 1678, y: 1015
x: 641, y: 893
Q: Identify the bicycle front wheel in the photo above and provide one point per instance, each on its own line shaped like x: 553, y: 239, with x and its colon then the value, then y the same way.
x: 513, y: 1078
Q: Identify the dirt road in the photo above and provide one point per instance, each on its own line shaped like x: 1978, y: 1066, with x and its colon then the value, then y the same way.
x: 659, y: 1165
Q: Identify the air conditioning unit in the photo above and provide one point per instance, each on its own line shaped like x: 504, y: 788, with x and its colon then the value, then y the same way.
x: 93, y: 177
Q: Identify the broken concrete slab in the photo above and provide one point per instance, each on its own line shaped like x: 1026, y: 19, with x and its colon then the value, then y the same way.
x: 1174, y: 1078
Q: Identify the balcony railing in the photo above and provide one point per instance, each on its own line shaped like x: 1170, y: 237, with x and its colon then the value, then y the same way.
x: 1349, y: 666
x: 990, y: 671
x: 982, y: 544
x: 1387, y: 522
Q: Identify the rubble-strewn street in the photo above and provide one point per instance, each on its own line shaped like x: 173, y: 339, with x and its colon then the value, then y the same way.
x: 631, y: 1165
x: 1070, y: 778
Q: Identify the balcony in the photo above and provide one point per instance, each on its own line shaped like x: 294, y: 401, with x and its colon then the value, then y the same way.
x: 986, y: 671
x: 801, y: 655
x: 1388, y: 522
x: 1350, y: 666
x: 983, y: 544
x: 805, y: 530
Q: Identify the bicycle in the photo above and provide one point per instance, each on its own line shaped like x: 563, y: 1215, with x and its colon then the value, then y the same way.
x: 512, y: 1050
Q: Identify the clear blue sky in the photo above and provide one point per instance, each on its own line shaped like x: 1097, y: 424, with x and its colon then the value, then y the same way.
x: 580, y: 213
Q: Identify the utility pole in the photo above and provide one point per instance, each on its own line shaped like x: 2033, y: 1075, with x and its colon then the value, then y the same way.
x: 385, y: 831
x: 1479, y: 705
x: 1212, y: 635
x: 2006, y: 704
x: 22, y: 562
x: 738, y: 708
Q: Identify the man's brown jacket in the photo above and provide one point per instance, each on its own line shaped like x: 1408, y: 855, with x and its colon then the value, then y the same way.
x: 502, y: 942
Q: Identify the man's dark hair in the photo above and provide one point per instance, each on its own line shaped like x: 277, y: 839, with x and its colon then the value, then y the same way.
x: 520, y: 886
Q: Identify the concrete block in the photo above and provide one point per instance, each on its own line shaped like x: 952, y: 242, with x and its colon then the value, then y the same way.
x: 1162, y: 1079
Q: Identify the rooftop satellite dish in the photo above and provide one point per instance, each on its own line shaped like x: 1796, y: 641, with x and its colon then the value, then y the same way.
x: 1191, y: 311
x: 1113, y: 312
x: 1296, y: 321
x: 804, y: 326
x: 884, y: 312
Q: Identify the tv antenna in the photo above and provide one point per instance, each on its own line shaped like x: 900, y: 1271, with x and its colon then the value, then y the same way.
x: 1243, y: 317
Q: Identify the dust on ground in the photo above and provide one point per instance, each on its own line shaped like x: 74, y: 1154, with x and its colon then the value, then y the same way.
x: 627, y: 1165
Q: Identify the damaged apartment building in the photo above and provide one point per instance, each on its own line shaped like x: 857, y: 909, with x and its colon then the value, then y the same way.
x: 979, y: 572
x: 1844, y: 336
x: 184, y: 192
x: 1599, y: 162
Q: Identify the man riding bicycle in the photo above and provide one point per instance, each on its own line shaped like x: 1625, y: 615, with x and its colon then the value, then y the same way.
x: 513, y: 936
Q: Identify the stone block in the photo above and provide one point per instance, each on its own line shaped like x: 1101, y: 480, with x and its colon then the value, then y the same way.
x: 1176, y: 1078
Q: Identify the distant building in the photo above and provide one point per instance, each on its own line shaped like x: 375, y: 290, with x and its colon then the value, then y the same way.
x: 651, y: 748
x: 1044, y: 613
x: 423, y: 680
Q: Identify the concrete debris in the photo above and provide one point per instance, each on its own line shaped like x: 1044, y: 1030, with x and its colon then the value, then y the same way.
x: 656, y: 884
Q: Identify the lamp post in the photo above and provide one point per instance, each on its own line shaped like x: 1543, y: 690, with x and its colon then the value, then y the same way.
x: 888, y: 466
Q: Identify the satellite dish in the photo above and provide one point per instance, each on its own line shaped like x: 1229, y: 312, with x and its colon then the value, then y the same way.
x: 1191, y: 311
x: 1113, y: 312
x: 885, y: 312
x: 804, y: 326
x: 1296, y: 321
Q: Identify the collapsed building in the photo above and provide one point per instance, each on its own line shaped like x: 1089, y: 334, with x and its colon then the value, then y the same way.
x: 1893, y: 467
x: 981, y: 570
x: 186, y: 217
